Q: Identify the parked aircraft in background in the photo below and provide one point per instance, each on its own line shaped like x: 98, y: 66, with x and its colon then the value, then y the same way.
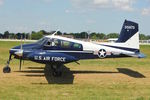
x: 56, y: 50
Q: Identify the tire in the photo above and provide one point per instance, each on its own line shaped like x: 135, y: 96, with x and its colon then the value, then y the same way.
x: 6, y: 69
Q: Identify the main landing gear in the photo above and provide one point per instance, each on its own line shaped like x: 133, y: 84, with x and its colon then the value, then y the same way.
x: 57, y: 70
x: 7, y: 69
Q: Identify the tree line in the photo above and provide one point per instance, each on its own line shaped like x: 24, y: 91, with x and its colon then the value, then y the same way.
x: 82, y: 35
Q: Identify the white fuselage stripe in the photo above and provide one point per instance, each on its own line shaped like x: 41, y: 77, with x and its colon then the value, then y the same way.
x: 61, y: 51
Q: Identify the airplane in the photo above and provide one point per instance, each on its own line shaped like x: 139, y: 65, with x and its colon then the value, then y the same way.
x: 56, y: 51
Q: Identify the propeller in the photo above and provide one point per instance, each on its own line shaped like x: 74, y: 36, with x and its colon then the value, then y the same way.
x: 24, y: 43
x: 20, y: 54
x: 21, y: 48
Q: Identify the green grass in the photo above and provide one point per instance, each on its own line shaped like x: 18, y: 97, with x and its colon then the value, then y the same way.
x: 93, y: 79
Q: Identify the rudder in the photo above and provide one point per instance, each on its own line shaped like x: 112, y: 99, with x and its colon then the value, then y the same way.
x: 129, y: 34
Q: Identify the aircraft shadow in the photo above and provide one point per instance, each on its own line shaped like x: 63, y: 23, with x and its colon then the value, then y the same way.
x: 130, y: 72
x: 68, y: 77
x: 35, y: 67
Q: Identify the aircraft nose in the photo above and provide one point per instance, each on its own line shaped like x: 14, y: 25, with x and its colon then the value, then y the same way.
x: 12, y: 51
x: 16, y: 51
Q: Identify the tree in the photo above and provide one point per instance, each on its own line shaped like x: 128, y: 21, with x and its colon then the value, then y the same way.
x: 1, y: 35
x: 83, y: 35
x: 28, y: 36
x: 59, y: 33
x: 143, y: 37
x: 18, y: 35
x: 43, y: 32
x: 148, y: 37
x: 113, y: 35
x: 66, y: 33
x: 6, y: 34
x: 11, y: 35
x: 93, y: 35
x: 36, y: 35
x: 101, y: 36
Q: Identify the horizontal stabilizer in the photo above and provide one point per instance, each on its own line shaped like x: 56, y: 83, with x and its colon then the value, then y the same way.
x: 141, y: 55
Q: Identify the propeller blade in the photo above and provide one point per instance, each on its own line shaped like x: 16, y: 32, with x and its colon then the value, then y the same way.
x: 20, y: 64
x: 21, y: 47
x: 20, y: 51
x: 23, y: 62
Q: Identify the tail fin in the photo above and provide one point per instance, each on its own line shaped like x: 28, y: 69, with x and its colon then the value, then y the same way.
x: 129, y: 34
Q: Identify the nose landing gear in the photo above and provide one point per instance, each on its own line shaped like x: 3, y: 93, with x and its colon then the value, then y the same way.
x: 7, y: 69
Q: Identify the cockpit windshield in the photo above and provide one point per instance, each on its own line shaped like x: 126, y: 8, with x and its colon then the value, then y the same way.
x: 52, y: 42
x: 42, y: 40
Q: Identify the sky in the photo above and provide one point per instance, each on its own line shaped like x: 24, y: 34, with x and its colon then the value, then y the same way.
x: 104, y: 16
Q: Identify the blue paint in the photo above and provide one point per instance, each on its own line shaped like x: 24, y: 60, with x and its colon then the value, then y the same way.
x: 50, y: 57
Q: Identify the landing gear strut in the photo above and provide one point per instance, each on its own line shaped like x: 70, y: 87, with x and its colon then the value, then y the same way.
x: 57, y: 70
x: 7, y: 69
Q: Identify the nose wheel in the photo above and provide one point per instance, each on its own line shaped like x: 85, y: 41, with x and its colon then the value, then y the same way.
x: 6, y: 69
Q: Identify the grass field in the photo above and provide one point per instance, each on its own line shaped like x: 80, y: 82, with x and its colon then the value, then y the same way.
x: 108, y: 79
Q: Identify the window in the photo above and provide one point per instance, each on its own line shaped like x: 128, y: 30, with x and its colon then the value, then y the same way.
x: 77, y: 46
x: 56, y: 42
x: 48, y: 43
x: 65, y: 44
x: 52, y: 42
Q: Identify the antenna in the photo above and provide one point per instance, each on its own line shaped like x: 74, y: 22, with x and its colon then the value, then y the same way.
x: 55, y: 32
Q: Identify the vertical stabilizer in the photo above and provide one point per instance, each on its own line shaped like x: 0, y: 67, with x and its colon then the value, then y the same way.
x: 129, y: 34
